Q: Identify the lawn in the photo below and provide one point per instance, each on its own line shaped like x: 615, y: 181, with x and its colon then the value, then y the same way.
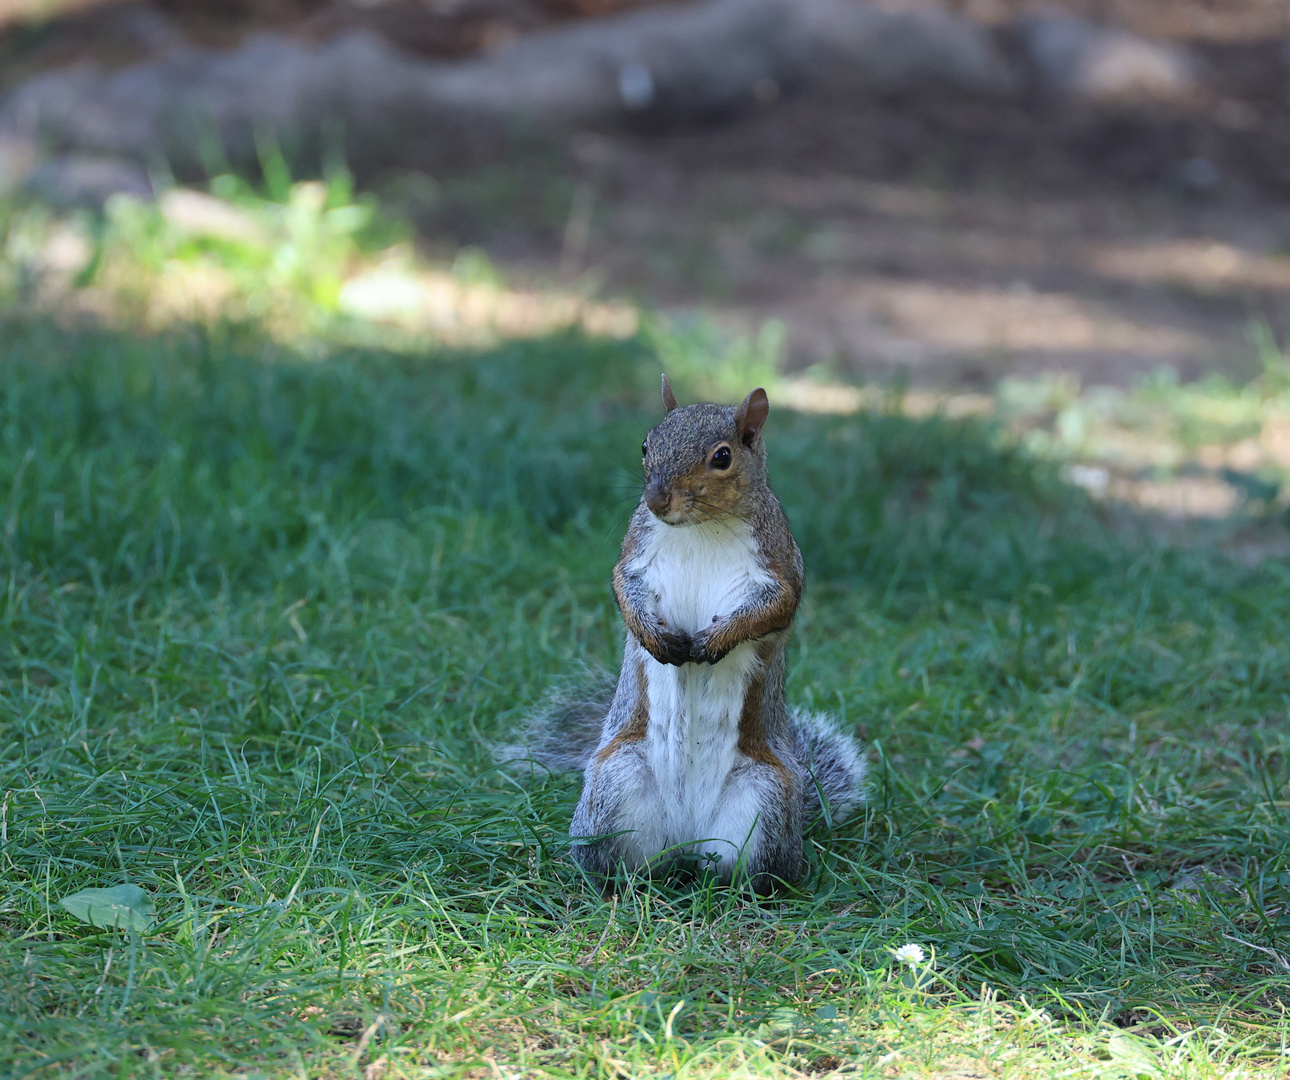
x: 264, y: 613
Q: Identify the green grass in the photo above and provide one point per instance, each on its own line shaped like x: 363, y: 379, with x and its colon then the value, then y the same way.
x: 262, y: 616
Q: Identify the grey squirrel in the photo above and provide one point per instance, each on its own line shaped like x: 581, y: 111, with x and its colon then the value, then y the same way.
x: 696, y: 760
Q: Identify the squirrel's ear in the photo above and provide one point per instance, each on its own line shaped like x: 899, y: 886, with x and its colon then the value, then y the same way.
x: 669, y: 398
x: 751, y: 415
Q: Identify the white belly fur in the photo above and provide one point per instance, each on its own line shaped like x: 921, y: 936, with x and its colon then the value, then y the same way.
x: 691, y: 745
x: 698, y: 572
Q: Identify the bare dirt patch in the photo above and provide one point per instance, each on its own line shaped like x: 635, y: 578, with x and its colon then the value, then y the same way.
x: 889, y: 241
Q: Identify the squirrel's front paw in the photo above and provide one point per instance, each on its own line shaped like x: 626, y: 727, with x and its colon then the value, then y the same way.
x: 703, y: 649
x: 670, y: 647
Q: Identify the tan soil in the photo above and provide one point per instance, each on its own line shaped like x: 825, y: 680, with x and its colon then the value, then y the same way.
x: 902, y: 238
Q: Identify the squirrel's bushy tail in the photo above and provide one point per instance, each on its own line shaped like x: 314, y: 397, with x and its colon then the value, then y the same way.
x: 564, y: 733
x: 835, y: 762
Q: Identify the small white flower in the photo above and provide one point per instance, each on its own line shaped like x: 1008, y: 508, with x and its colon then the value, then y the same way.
x: 911, y: 954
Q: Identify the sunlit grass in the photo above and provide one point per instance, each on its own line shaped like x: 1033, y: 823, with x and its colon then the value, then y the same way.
x: 263, y: 615
x: 296, y: 260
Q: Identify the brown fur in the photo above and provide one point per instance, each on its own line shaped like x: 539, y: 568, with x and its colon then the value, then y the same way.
x: 635, y: 728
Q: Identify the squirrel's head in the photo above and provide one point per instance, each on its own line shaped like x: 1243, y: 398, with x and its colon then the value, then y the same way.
x: 701, y: 461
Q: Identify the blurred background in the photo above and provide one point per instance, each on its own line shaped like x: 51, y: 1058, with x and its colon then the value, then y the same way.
x: 1071, y: 215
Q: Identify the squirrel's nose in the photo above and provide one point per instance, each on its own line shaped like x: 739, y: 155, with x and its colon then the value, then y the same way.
x: 658, y: 499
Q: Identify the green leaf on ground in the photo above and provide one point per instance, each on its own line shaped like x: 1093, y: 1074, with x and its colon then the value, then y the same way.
x: 122, y: 907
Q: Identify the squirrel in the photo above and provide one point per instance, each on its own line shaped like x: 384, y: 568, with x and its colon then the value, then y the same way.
x: 695, y: 760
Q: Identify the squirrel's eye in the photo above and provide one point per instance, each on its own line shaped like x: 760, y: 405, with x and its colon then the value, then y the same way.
x: 721, y: 458
x: 644, y: 448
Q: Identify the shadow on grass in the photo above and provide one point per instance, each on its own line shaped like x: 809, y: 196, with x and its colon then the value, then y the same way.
x: 215, y: 455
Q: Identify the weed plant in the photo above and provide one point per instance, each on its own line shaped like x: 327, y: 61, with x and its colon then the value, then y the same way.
x: 262, y: 618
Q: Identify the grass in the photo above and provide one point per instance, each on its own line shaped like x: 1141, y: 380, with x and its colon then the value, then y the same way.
x: 262, y: 616
x: 310, y: 262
